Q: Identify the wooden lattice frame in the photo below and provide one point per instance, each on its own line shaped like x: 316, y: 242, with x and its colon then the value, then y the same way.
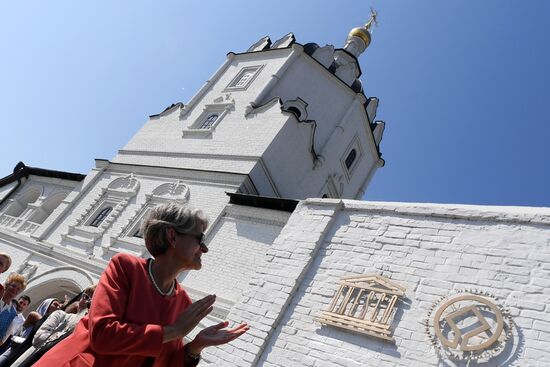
x: 365, y: 304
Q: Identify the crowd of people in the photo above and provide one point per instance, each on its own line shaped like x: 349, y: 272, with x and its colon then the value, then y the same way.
x: 24, y: 339
x: 137, y: 315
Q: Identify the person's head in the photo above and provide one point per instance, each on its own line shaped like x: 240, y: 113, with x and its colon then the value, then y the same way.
x: 54, y: 305
x: 5, y: 262
x: 168, y: 225
x: 32, y: 318
x: 22, y: 303
x: 15, y: 284
x: 48, y: 306
x: 86, y: 299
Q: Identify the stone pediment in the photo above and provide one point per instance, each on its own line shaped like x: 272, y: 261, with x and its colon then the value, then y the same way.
x: 375, y: 283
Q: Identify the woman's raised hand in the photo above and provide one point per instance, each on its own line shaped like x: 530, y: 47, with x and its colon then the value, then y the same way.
x: 216, y: 335
x: 189, y: 318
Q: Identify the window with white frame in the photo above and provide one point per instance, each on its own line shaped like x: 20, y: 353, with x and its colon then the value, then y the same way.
x: 131, y: 238
x: 97, y: 218
x: 211, y: 116
x: 209, y: 121
x: 244, y: 78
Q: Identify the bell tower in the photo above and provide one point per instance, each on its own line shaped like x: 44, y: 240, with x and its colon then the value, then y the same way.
x: 292, y: 119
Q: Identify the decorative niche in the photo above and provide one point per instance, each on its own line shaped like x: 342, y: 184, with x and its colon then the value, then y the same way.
x: 365, y: 304
x: 130, y: 238
x: 105, y: 209
x: 211, y: 116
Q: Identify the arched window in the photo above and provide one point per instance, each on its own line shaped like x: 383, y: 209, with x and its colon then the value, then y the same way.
x: 351, y: 158
x: 101, y: 216
x: 209, y: 121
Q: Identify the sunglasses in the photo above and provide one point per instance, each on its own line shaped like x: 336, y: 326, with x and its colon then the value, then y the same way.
x: 199, y: 237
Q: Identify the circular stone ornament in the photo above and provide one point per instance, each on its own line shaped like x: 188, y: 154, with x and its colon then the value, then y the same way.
x: 469, y: 325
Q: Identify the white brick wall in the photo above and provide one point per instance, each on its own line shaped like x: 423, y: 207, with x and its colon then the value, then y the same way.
x: 429, y: 249
x: 236, y: 248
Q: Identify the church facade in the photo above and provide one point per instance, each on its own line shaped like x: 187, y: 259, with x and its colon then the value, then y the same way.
x: 275, y: 148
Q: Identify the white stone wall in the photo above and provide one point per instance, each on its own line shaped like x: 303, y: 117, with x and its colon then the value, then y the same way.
x: 208, y: 196
x: 430, y: 249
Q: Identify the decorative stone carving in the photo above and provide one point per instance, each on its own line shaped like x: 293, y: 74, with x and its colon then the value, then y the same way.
x: 28, y: 269
x: 297, y: 106
x: 365, y: 304
x: 468, y: 326
x: 177, y: 191
x: 128, y: 185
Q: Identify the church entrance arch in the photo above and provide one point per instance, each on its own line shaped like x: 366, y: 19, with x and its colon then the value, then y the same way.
x: 56, y: 283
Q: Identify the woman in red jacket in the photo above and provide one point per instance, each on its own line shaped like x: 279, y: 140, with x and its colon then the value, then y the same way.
x: 139, y: 313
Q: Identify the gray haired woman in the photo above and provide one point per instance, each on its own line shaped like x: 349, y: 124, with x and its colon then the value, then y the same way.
x: 139, y: 313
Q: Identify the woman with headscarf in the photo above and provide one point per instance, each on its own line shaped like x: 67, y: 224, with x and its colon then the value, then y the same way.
x: 140, y: 313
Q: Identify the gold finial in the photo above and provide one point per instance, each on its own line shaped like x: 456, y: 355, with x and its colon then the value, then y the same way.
x: 363, y: 33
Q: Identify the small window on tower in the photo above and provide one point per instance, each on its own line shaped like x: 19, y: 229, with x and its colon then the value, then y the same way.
x: 351, y: 158
x: 244, y: 78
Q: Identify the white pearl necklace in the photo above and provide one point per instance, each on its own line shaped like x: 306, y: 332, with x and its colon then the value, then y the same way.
x: 150, y: 270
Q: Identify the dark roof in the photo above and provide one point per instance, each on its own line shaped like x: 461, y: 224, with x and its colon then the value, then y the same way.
x: 20, y: 170
x: 286, y: 205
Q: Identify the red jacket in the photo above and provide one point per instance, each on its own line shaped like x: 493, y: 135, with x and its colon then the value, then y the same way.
x: 125, y: 322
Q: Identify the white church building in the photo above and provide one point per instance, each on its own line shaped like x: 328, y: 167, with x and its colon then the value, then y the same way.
x: 278, y: 147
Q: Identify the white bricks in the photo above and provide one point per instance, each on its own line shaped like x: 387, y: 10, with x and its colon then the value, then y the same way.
x: 431, y: 250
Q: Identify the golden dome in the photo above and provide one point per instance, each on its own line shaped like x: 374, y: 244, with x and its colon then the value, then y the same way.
x: 361, y: 33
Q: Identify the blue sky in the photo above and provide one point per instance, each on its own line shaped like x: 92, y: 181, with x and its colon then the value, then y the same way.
x: 463, y: 86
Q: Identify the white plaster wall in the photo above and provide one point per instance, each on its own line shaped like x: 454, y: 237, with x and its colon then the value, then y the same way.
x: 235, y: 135
x: 339, y: 115
x: 327, y: 97
x: 291, y: 165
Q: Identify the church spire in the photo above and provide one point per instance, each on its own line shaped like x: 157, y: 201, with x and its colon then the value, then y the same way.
x: 359, y: 38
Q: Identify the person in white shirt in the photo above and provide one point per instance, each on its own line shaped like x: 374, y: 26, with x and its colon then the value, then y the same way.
x: 20, y: 306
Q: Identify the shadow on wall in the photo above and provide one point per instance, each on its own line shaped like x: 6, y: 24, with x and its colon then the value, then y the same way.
x: 514, y: 348
x: 365, y: 341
